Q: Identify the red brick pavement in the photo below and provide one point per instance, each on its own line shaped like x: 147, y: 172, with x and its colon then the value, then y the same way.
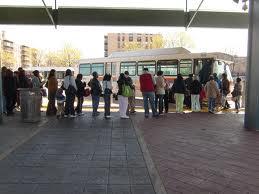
x: 203, y: 153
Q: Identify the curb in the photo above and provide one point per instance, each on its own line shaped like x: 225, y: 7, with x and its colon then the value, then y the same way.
x: 153, y: 173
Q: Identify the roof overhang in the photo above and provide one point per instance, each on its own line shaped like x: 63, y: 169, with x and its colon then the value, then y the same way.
x: 121, y: 17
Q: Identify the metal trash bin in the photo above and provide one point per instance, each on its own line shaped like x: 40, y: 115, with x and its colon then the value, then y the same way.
x: 30, y: 102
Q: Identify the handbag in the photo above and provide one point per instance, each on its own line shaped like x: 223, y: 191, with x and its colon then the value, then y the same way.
x: 87, y: 92
x: 126, y: 91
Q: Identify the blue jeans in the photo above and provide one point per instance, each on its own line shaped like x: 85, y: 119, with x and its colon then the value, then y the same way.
x: 149, y: 96
x: 107, y: 104
x: 95, y: 103
x: 160, y: 102
x: 211, y: 103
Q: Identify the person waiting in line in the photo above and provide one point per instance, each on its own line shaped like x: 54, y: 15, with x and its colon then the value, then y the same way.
x: 123, y: 99
x: 179, y: 89
x: 217, y: 80
x: 212, y: 92
x: 80, y: 94
x: 131, y: 99
x: 52, y: 85
x: 195, y: 90
x: 70, y: 87
x: 160, y: 91
x: 3, y: 74
x: 225, y: 90
x: 9, y: 85
x: 166, y: 96
x: 188, y: 83
x: 96, y: 91
x: 107, y: 91
x: 147, y: 87
x: 236, y: 94
x: 60, y: 102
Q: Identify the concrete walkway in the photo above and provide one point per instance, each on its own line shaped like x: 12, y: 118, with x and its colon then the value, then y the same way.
x: 81, y: 155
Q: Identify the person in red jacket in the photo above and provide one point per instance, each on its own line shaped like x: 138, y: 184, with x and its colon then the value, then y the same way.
x: 147, y: 87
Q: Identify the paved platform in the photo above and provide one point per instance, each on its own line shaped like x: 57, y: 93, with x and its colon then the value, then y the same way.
x: 200, y: 153
x: 81, y: 155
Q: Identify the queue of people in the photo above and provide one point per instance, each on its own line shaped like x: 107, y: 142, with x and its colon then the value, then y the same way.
x: 155, y: 92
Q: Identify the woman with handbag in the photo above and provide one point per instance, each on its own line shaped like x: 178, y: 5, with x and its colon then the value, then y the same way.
x: 52, y: 85
x: 70, y: 90
x: 107, y: 91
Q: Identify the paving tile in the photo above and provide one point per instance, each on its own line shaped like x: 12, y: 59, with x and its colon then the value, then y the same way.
x: 15, y: 188
x: 95, y: 189
x: 119, y: 189
x: 97, y: 176
x: 142, y: 189
x: 139, y: 176
x: 119, y: 176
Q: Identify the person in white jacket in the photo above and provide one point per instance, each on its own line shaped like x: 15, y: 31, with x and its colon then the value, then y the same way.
x: 70, y: 87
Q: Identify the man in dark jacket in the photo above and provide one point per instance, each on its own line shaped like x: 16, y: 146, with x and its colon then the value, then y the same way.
x: 188, y: 83
x: 225, y: 90
x: 96, y: 91
x: 195, y: 90
x: 80, y: 94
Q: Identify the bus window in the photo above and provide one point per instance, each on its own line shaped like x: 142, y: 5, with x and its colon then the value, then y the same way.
x: 185, y: 67
x: 98, y: 67
x: 108, y: 68
x: 151, y: 65
x: 114, y: 69
x: 128, y: 66
x: 85, y: 69
x: 169, y: 67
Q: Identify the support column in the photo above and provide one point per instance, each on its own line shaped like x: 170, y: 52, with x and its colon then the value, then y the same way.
x: 252, y: 76
x: 1, y: 95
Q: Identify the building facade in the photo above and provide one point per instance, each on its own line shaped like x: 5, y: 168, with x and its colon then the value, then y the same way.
x: 14, y: 55
x: 119, y: 41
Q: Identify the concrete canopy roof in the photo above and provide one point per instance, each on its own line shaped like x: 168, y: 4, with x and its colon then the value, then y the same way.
x: 121, y: 17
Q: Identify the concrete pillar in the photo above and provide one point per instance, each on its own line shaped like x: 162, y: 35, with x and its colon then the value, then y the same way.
x: 252, y: 84
x: 1, y: 96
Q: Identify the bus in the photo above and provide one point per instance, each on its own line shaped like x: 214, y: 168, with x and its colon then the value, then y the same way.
x: 171, y: 61
x: 44, y: 72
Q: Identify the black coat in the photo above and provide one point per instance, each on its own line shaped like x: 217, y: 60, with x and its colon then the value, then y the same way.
x: 95, y: 85
x: 80, y: 87
x: 195, y: 87
x: 179, y: 86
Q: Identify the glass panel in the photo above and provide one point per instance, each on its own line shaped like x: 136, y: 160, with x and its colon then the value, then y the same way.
x: 128, y: 66
x: 98, y: 67
x: 168, y: 67
x: 151, y: 65
x: 186, y: 66
x: 85, y: 69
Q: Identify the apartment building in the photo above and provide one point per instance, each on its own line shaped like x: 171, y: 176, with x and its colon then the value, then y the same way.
x: 14, y: 55
x: 118, y: 41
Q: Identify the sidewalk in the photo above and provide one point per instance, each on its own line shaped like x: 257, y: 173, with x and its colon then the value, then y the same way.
x: 81, y: 155
x: 200, y: 153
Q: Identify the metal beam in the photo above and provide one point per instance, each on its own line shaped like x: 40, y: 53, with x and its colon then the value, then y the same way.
x: 122, y: 17
x: 49, y: 14
x: 194, y: 13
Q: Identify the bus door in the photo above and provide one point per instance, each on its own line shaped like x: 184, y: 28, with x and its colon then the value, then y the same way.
x: 203, y: 68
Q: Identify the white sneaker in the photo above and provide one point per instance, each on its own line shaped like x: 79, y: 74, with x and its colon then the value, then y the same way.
x: 66, y: 116
x: 108, y: 116
x: 125, y: 117
x: 81, y: 114
x: 72, y: 116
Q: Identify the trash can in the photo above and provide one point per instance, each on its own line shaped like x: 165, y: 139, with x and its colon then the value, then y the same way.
x: 30, y: 102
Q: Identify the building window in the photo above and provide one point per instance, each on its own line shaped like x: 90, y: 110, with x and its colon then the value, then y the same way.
x: 119, y: 38
x: 119, y: 45
x: 123, y: 38
x: 139, y: 37
x: 151, y: 39
x: 146, y: 39
x: 131, y: 37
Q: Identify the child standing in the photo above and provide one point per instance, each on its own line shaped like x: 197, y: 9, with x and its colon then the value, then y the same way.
x: 60, y: 102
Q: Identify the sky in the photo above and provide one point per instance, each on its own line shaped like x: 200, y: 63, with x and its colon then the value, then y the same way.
x: 89, y: 39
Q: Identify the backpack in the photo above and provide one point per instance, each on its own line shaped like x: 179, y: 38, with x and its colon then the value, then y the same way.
x: 126, y: 91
